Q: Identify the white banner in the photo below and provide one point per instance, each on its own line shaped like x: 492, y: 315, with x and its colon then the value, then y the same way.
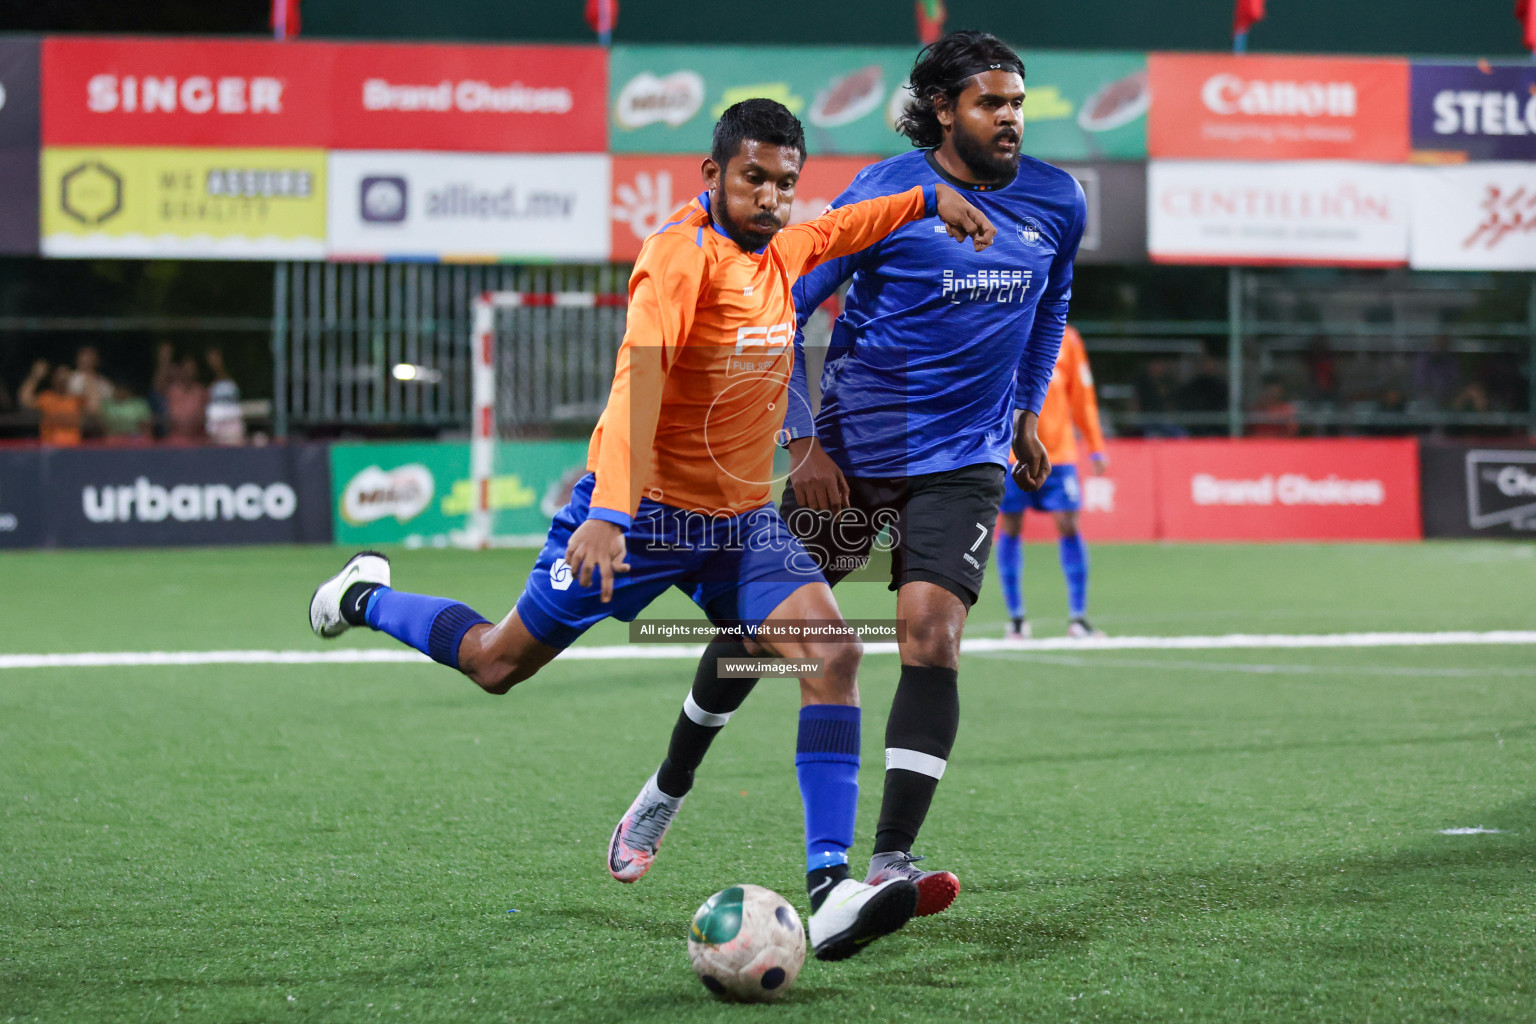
x: 1305, y: 211
x: 468, y: 206
x: 1477, y: 216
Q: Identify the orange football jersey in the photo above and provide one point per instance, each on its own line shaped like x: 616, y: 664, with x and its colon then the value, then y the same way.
x: 698, y: 394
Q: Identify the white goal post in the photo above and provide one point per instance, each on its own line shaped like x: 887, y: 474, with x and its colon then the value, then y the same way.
x: 483, y: 391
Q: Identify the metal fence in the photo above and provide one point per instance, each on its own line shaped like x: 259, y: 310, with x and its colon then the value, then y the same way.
x: 387, y: 345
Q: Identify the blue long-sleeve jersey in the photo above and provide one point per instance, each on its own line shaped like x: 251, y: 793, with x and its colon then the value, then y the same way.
x: 937, y: 343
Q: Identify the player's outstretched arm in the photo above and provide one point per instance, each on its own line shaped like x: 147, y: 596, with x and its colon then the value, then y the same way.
x: 857, y: 226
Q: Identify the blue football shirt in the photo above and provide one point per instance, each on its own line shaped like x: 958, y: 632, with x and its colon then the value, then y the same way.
x: 937, y: 343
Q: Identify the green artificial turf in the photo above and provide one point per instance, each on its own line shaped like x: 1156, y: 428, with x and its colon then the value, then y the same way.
x: 1238, y: 835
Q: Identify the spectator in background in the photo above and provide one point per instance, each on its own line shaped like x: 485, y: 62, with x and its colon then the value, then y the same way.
x: 224, y: 422
x: 165, y: 372
x: 1205, y: 392
x: 1277, y: 412
x: 186, y: 402
x: 126, y: 418
x: 1154, y: 400
x: 87, y: 383
x: 7, y: 405
x: 60, y: 412
x: 1322, y: 373
x: 1437, y: 374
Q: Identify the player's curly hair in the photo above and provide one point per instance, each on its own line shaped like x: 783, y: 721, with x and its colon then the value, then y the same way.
x: 760, y: 119
x: 944, y: 67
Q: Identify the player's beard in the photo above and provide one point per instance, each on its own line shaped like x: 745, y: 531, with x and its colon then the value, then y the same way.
x: 751, y: 237
x: 984, y: 161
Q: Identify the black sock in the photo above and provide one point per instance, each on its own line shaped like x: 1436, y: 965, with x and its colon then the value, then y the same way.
x: 710, y: 704
x: 816, y: 883
x: 355, y: 601
x: 918, y: 736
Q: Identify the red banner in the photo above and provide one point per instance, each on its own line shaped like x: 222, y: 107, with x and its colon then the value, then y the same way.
x: 496, y: 99
x: 1245, y: 107
x: 1289, y: 490
x: 648, y: 188
x: 185, y: 92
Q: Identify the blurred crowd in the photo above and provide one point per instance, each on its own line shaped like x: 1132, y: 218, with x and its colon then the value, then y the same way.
x: 187, y: 402
x: 1318, y: 391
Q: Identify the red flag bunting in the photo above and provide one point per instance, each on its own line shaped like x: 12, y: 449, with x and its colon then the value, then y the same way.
x: 930, y: 20
x: 285, y: 19
x: 1525, y: 12
x: 1246, y: 15
x: 602, y: 15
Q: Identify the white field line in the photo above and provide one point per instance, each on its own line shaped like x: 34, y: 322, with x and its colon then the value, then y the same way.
x: 1252, y: 668
x: 629, y: 652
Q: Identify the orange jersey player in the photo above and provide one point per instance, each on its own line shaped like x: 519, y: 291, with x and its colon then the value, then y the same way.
x: 1069, y: 403
x: 678, y: 496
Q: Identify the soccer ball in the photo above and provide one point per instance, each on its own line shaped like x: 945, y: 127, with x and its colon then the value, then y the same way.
x: 746, y: 943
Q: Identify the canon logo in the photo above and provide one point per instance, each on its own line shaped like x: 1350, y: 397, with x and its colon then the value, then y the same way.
x: 1229, y: 94
x: 1286, y: 489
x: 147, y: 502
x: 468, y: 96
x: 1514, y: 482
x: 196, y: 94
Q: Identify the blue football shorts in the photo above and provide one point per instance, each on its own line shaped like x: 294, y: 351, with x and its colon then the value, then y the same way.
x: 1061, y: 493
x: 738, y: 569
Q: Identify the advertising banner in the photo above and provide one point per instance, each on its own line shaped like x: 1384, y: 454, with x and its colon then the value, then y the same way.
x: 1289, y: 490
x: 468, y: 207
x: 665, y: 99
x: 1472, y: 491
x: 1477, y: 216
x: 1116, y: 194
x: 185, y: 92
x: 1121, y: 505
x: 1247, y: 107
x: 1327, y: 212
x: 647, y: 189
x: 419, y: 493
x: 1476, y: 111
x: 492, y: 99
x: 18, y: 145
x: 21, y: 499
x: 197, y: 203
x: 130, y: 497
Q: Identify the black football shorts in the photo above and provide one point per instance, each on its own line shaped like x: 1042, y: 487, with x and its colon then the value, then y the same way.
x: 937, y: 527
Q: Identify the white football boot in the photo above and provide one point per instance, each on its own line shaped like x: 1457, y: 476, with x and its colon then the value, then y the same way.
x: 854, y: 914
x: 325, y: 606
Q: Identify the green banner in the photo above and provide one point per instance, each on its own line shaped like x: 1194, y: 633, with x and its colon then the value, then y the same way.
x: 419, y: 493
x: 665, y: 99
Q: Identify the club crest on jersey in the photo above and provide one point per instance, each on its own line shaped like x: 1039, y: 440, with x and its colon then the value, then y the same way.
x: 1028, y: 231
x: 986, y: 286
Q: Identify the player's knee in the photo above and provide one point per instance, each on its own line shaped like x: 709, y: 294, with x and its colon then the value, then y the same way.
x: 498, y: 677
x: 934, y: 642
x: 841, y: 661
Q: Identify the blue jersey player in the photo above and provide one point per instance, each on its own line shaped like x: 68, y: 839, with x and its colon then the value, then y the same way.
x: 938, y: 361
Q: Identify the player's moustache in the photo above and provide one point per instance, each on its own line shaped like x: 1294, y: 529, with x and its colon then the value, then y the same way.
x: 1007, y: 134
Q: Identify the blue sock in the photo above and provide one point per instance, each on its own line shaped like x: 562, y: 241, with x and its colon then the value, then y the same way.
x: 1074, y: 566
x: 1010, y: 565
x: 435, y: 626
x: 827, y: 765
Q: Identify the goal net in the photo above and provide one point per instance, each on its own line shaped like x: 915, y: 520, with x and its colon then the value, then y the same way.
x: 540, y: 370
